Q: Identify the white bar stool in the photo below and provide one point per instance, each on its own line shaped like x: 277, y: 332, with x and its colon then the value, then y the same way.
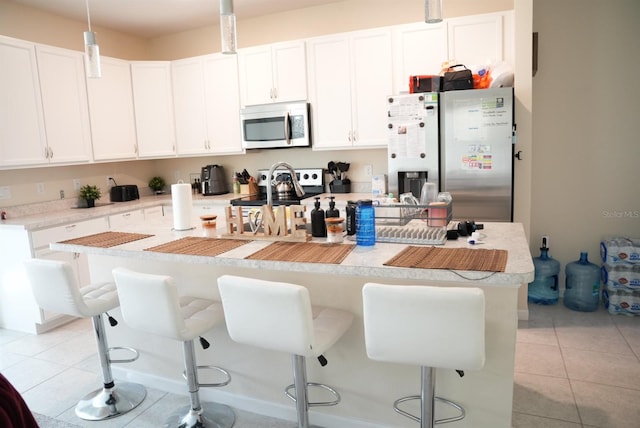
x: 279, y: 316
x: 55, y: 289
x: 150, y: 303
x: 431, y: 327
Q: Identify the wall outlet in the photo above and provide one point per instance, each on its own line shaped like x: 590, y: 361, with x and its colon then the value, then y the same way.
x: 61, y: 194
x: 40, y: 188
x: 76, y: 184
x: 368, y: 170
x: 176, y: 176
x: 5, y: 192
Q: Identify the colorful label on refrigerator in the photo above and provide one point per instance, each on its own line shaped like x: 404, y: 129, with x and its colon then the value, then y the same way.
x: 478, y: 157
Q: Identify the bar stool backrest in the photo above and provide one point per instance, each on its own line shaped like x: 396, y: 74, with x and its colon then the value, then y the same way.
x: 55, y: 288
x: 424, y: 325
x: 266, y: 314
x: 150, y: 303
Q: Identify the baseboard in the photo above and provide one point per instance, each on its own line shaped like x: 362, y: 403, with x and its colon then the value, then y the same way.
x: 240, y: 402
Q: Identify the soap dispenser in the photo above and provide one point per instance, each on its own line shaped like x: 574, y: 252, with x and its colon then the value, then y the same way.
x: 318, y: 226
x: 332, y: 211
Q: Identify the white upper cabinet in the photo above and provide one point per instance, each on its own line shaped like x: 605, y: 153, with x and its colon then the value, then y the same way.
x: 64, y: 101
x: 206, y: 105
x: 350, y: 76
x: 476, y: 39
x: 418, y: 49
x: 111, y: 111
x: 153, y: 104
x: 223, y: 103
x: 273, y: 73
x: 22, y: 135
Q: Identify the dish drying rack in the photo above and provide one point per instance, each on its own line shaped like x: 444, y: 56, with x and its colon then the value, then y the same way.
x: 413, y: 224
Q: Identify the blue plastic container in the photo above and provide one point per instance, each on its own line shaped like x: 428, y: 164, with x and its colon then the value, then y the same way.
x: 582, y: 285
x: 365, y: 223
x: 544, y: 288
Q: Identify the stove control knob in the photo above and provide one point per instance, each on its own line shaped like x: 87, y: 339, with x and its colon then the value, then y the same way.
x: 314, y: 176
x: 305, y: 176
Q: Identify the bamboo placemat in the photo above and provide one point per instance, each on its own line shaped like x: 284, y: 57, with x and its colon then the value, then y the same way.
x: 196, y: 246
x: 303, y: 252
x: 450, y: 258
x: 106, y: 239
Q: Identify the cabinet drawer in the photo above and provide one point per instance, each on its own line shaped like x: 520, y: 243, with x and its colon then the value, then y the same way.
x: 125, y: 219
x: 153, y: 213
x: 42, y: 238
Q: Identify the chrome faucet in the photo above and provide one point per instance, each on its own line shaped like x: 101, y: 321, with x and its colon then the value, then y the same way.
x: 294, y: 179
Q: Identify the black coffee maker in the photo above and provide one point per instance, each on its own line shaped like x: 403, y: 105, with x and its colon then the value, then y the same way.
x: 213, y: 180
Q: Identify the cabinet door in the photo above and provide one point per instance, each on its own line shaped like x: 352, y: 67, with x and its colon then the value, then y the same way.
x: 255, y: 72
x: 330, y: 92
x: 153, y: 104
x: 273, y: 73
x: 418, y: 49
x: 223, y: 104
x: 64, y: 101
x: 289, y: 71
x: 111, y: 112
x: 476, y: 40
x: 189, y: 106
x: 22, y: 136
x: 372, y: 82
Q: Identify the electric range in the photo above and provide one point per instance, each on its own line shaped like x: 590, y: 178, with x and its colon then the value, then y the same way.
x: 311, y: 180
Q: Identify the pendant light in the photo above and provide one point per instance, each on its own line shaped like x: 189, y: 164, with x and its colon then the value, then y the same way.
x: 432, y: 11
x: 91, y: 51
x: 227, y: 27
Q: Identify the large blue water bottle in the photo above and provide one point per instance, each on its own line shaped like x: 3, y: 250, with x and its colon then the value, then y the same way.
x: 365, y: 223
x: 544, y: 288
x: 582, y: 286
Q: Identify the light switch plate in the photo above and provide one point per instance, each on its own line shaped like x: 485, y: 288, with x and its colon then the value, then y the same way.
x: 5, y: 192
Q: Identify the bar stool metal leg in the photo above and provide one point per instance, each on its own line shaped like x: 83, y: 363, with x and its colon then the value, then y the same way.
x: 198, y: 414
x: 427, y: 394
x: 110, y: 401
x: 300, y: 384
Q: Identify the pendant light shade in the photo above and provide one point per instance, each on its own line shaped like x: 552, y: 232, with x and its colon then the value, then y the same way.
x: 227, y: 27
x: 91, y: 51
x: 432, y: 11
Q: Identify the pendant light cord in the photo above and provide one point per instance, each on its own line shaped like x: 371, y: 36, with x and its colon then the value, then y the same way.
x: 88, y: 15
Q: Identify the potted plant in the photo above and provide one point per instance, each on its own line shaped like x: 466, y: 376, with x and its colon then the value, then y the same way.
x: 90, y: 193
x: 157, y: 184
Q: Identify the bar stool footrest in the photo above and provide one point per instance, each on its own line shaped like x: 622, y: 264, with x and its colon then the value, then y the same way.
x: 437, y: 421
x: 212, y: 385
x: 135, y: 352
x: 318, y: 403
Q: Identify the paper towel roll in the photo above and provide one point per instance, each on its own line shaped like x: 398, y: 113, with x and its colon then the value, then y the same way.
x: 182, y: 202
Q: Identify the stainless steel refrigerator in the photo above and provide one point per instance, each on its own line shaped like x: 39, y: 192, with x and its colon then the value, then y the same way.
x: 476, y: 153
x: 473, y: 140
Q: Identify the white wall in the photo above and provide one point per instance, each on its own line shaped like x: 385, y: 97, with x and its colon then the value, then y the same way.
x: 586, y: 148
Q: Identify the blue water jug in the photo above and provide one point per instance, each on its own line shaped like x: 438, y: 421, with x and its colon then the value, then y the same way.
x: 582, y: 285
x: 544, y: 288
x: 365, y: 223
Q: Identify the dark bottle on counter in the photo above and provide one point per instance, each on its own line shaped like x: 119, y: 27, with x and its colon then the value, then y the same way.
x: 332, y: 211
x: 318, y: 226
x: 351, y: 217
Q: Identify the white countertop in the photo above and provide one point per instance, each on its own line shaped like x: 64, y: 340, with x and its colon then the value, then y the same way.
x: 361, y: 261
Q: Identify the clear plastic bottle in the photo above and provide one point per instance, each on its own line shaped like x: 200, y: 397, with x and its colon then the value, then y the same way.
x: 544, y: 288
x: 365, y: 223
x: 582, y: 285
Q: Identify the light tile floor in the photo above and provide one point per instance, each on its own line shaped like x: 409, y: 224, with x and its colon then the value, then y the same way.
x: 572, y: 370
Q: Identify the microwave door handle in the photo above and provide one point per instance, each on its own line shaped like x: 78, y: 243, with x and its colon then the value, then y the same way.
x: 287, y: 128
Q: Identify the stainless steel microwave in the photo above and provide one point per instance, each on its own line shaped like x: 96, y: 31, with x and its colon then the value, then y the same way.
x: 275, y: 125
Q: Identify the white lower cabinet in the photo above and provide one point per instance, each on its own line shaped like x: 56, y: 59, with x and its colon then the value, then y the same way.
x: 18, y: 308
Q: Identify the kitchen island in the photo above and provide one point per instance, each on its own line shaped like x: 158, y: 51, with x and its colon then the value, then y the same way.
x: 368, y: 388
